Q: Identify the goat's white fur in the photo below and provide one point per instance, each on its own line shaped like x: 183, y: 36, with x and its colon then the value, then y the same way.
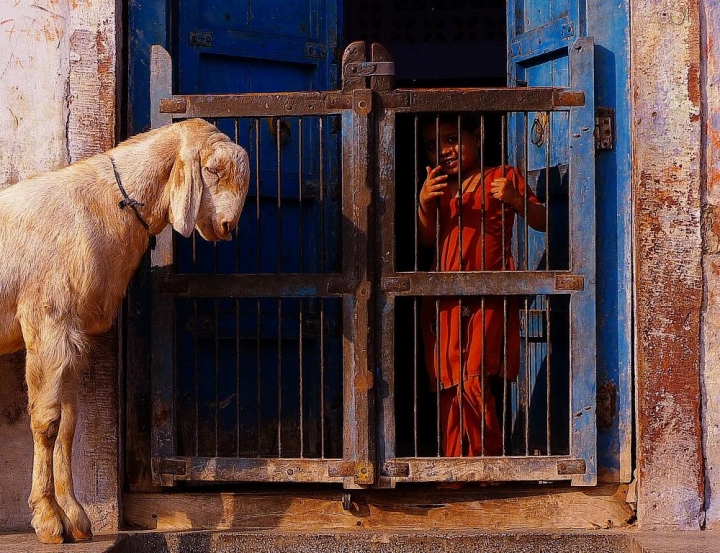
x: 68, y: 252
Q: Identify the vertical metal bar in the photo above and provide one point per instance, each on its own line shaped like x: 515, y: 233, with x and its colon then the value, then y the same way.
x: 322, y: 378
x: 258, y: 245
x: 526, y: 225
x: 503, y: 162
x: 528, y: 329
x: 323, y: 230
x: 236, y: 133
x: 483, y: 380
x: 415, y: 372
x: 416, y: 172
x: 196, y: 370
x: 503, y: 158
x: 463, y: 368
x: 238, y: 419
x: 438, y: 383
x: 279, y: 375
x: 301, y: 391
x: 416, y: 251
x: 505, y: 373
x: 547, y: 192
x: 321, y: 173
x: 300, y: 194
x: 302, y: 302
x: 216, y: 344
x: 258, y: 305
x: 484, y: 194
x: 258, y: 371
x: 548, y: 370
x: 437, y: 301
x: 278, y: 146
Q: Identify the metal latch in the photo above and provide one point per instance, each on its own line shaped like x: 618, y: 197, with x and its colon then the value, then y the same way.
x: 369, y: 69
x: 604, y: 128
x: 196, y: 38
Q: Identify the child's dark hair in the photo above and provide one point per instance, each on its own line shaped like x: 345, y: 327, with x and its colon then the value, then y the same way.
x: 468, y: 121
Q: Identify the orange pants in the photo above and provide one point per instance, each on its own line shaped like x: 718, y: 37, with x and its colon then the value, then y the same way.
x: 477, y: 411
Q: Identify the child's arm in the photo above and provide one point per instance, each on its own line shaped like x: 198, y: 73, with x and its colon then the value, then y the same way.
x: 505, y: 191
x: 433, y: 187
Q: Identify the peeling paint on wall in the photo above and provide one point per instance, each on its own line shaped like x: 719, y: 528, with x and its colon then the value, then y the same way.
x: 667, y: 209
x: 710, y: 99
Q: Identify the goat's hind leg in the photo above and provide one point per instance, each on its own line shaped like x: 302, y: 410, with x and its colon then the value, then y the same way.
x: 44, y: 381
x: 80, y: 527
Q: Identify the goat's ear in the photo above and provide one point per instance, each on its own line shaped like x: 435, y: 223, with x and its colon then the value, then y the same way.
x: 186, y: 187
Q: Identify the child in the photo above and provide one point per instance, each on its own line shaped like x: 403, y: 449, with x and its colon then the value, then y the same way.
x: 489, y: 328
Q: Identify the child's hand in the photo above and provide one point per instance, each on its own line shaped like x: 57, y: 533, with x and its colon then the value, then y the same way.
x: 504, y: 190
x: 433, y: 187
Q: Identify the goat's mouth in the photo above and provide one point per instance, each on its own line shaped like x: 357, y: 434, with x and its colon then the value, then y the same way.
x: 216, y: 231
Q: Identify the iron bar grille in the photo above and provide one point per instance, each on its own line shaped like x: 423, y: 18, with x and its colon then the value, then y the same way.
x: 259, y: 373
x: 531, y: 330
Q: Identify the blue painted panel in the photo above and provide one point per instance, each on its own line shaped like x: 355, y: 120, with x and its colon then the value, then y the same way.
x: 147, y: 23
x: 542, y: 41
x: 530, y: 38
x: 614, y: 278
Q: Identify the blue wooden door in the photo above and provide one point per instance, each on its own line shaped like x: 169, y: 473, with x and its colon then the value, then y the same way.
x: 256, y: 374
x: 548, y: 47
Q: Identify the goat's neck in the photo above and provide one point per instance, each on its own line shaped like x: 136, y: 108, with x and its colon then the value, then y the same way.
x: 144, y: 165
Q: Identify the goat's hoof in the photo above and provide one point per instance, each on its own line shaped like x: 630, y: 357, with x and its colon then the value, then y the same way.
x: 48, y: 537
x: 78, y: 526
x: 49, y: 531
x: 50, y: 522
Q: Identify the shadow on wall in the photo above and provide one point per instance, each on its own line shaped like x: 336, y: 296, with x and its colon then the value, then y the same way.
x: 16, y: 460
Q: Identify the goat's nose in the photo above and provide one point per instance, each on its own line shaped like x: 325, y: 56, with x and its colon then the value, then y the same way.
x: 227, y: 227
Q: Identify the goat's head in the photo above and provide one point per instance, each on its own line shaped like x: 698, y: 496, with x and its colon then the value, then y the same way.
x: 208, y: 183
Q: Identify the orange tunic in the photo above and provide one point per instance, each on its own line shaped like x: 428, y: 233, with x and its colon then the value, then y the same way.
x: 490, y: 328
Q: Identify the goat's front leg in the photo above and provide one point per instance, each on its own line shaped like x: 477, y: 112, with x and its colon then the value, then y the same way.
x: 44, y: 383
x: 80, y: 527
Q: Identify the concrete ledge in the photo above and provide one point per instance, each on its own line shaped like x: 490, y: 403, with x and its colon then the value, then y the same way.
x: 361, y: 541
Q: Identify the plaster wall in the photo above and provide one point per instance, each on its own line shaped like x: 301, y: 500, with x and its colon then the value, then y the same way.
x: 710, y: 77
x: 58, y: 105
x: 667, y: 183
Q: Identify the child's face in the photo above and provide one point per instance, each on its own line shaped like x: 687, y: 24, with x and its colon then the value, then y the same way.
x: 449, y: 148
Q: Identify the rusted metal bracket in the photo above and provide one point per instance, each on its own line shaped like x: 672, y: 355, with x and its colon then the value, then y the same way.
x: 173, y: 105
x: 363, y: 472
x: 604, y: 128
x: 362, y: 101
x: 569, y: 282
x: 571, y: 466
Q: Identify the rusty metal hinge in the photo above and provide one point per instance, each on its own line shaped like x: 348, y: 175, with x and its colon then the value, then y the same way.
x: 604, y: 128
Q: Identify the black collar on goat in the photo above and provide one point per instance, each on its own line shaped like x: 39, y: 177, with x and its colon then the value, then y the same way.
x: 128, y: 201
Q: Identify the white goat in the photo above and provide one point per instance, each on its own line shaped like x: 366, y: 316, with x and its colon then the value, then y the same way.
x: 68, y: 248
